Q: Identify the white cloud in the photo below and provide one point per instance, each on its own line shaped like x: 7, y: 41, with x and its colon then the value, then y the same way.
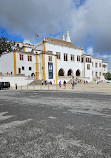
x: 92, y: 25
x: 27, y: 17
x: 89, y: 24
x: 90, y: 50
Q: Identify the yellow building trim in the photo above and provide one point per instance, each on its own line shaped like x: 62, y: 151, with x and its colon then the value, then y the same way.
x: 14, y: 55
x: 56, y: 69
x: 24, y: 49
x: 44, y: 45
x: 37, y: 68
x: 43, y: 61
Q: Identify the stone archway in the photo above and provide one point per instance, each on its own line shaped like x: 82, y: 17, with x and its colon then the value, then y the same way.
x: 61, y: 72
x: 70, y: 72
x: 78, y: 73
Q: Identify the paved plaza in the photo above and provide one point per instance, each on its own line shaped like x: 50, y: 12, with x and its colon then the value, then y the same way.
x: 55, y: 124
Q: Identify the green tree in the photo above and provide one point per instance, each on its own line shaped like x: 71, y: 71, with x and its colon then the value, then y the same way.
x: 108, y: 76
x: 5, y: 45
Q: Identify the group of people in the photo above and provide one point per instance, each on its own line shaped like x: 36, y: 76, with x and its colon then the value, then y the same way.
x: 85, y: 81
x: 45, y: 82
x: 63, y: 83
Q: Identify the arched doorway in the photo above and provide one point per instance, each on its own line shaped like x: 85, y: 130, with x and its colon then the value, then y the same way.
x: 70, y: 72
x: 61, y: 72
x: 78, y: 73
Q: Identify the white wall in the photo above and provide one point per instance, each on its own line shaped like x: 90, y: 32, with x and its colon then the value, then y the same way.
x: 20, y: 44
x: 88, y: 73
x: 28, y: 49
x: 97, y: 69
x: 40, y: 67
x: 26, y: 63
x: 20, y: 81
x: 7, y: 63
x: 40, y: 46
x: 66, y: 65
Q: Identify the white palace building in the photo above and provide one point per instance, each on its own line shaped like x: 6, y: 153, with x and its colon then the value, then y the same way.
x: 52, y: 60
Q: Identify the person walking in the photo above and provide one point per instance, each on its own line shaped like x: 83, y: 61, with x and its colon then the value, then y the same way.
x: 45, y: 82
x: 59, y: 83
x: 73, y: 85
x: 64, y: 84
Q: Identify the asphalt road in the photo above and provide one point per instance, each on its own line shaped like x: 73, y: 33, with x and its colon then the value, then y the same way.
x: 54, y: 124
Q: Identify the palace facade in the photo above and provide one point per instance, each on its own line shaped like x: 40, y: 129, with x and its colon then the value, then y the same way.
x: 52, y: 60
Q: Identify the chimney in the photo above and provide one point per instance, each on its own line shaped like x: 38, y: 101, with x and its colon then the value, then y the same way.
x: 63, y: 38
x: 68, y: 37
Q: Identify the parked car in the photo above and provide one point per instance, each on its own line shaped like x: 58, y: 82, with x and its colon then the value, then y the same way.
x: 107, y: 81
x: 4, y: 85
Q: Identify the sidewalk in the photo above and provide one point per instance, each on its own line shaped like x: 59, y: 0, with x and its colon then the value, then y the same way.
x: 103, y: 87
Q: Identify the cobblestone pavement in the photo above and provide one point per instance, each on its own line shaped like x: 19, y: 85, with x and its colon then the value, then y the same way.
x: 54, y: 124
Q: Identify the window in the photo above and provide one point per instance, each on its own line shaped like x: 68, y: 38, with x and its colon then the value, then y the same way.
x: 88, y: 66
x: 50, y: 58
x: 96, y: 64
x: 78, y: 58
x: 72, y: 57
x: 88, y: 60
x: 30, y: 68
x: 29, y: 58
x: 58, y: 55
x: 22, y: 67
x: 92, y: 64
x: 104, y: 66
x: 65, y: 57
x: 100, y: 73
x: 19, y: 70
x: 21, y: 57
x: 96, y: 74
x: 99, y: 64
x: 92, y: 73
x: 82, y: 59
x: 17, y: 45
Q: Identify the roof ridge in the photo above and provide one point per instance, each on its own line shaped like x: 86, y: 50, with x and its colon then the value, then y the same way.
x: 61, y: 41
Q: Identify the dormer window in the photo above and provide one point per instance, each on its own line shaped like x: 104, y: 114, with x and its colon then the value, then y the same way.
x: 29, y: 58
x: 58, y: 55
x: 50, y: 58
x: 21, y: 57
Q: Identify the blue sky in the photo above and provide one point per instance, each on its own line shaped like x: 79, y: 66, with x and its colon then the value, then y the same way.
x: 10, y: 35
x: 88, y: 21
